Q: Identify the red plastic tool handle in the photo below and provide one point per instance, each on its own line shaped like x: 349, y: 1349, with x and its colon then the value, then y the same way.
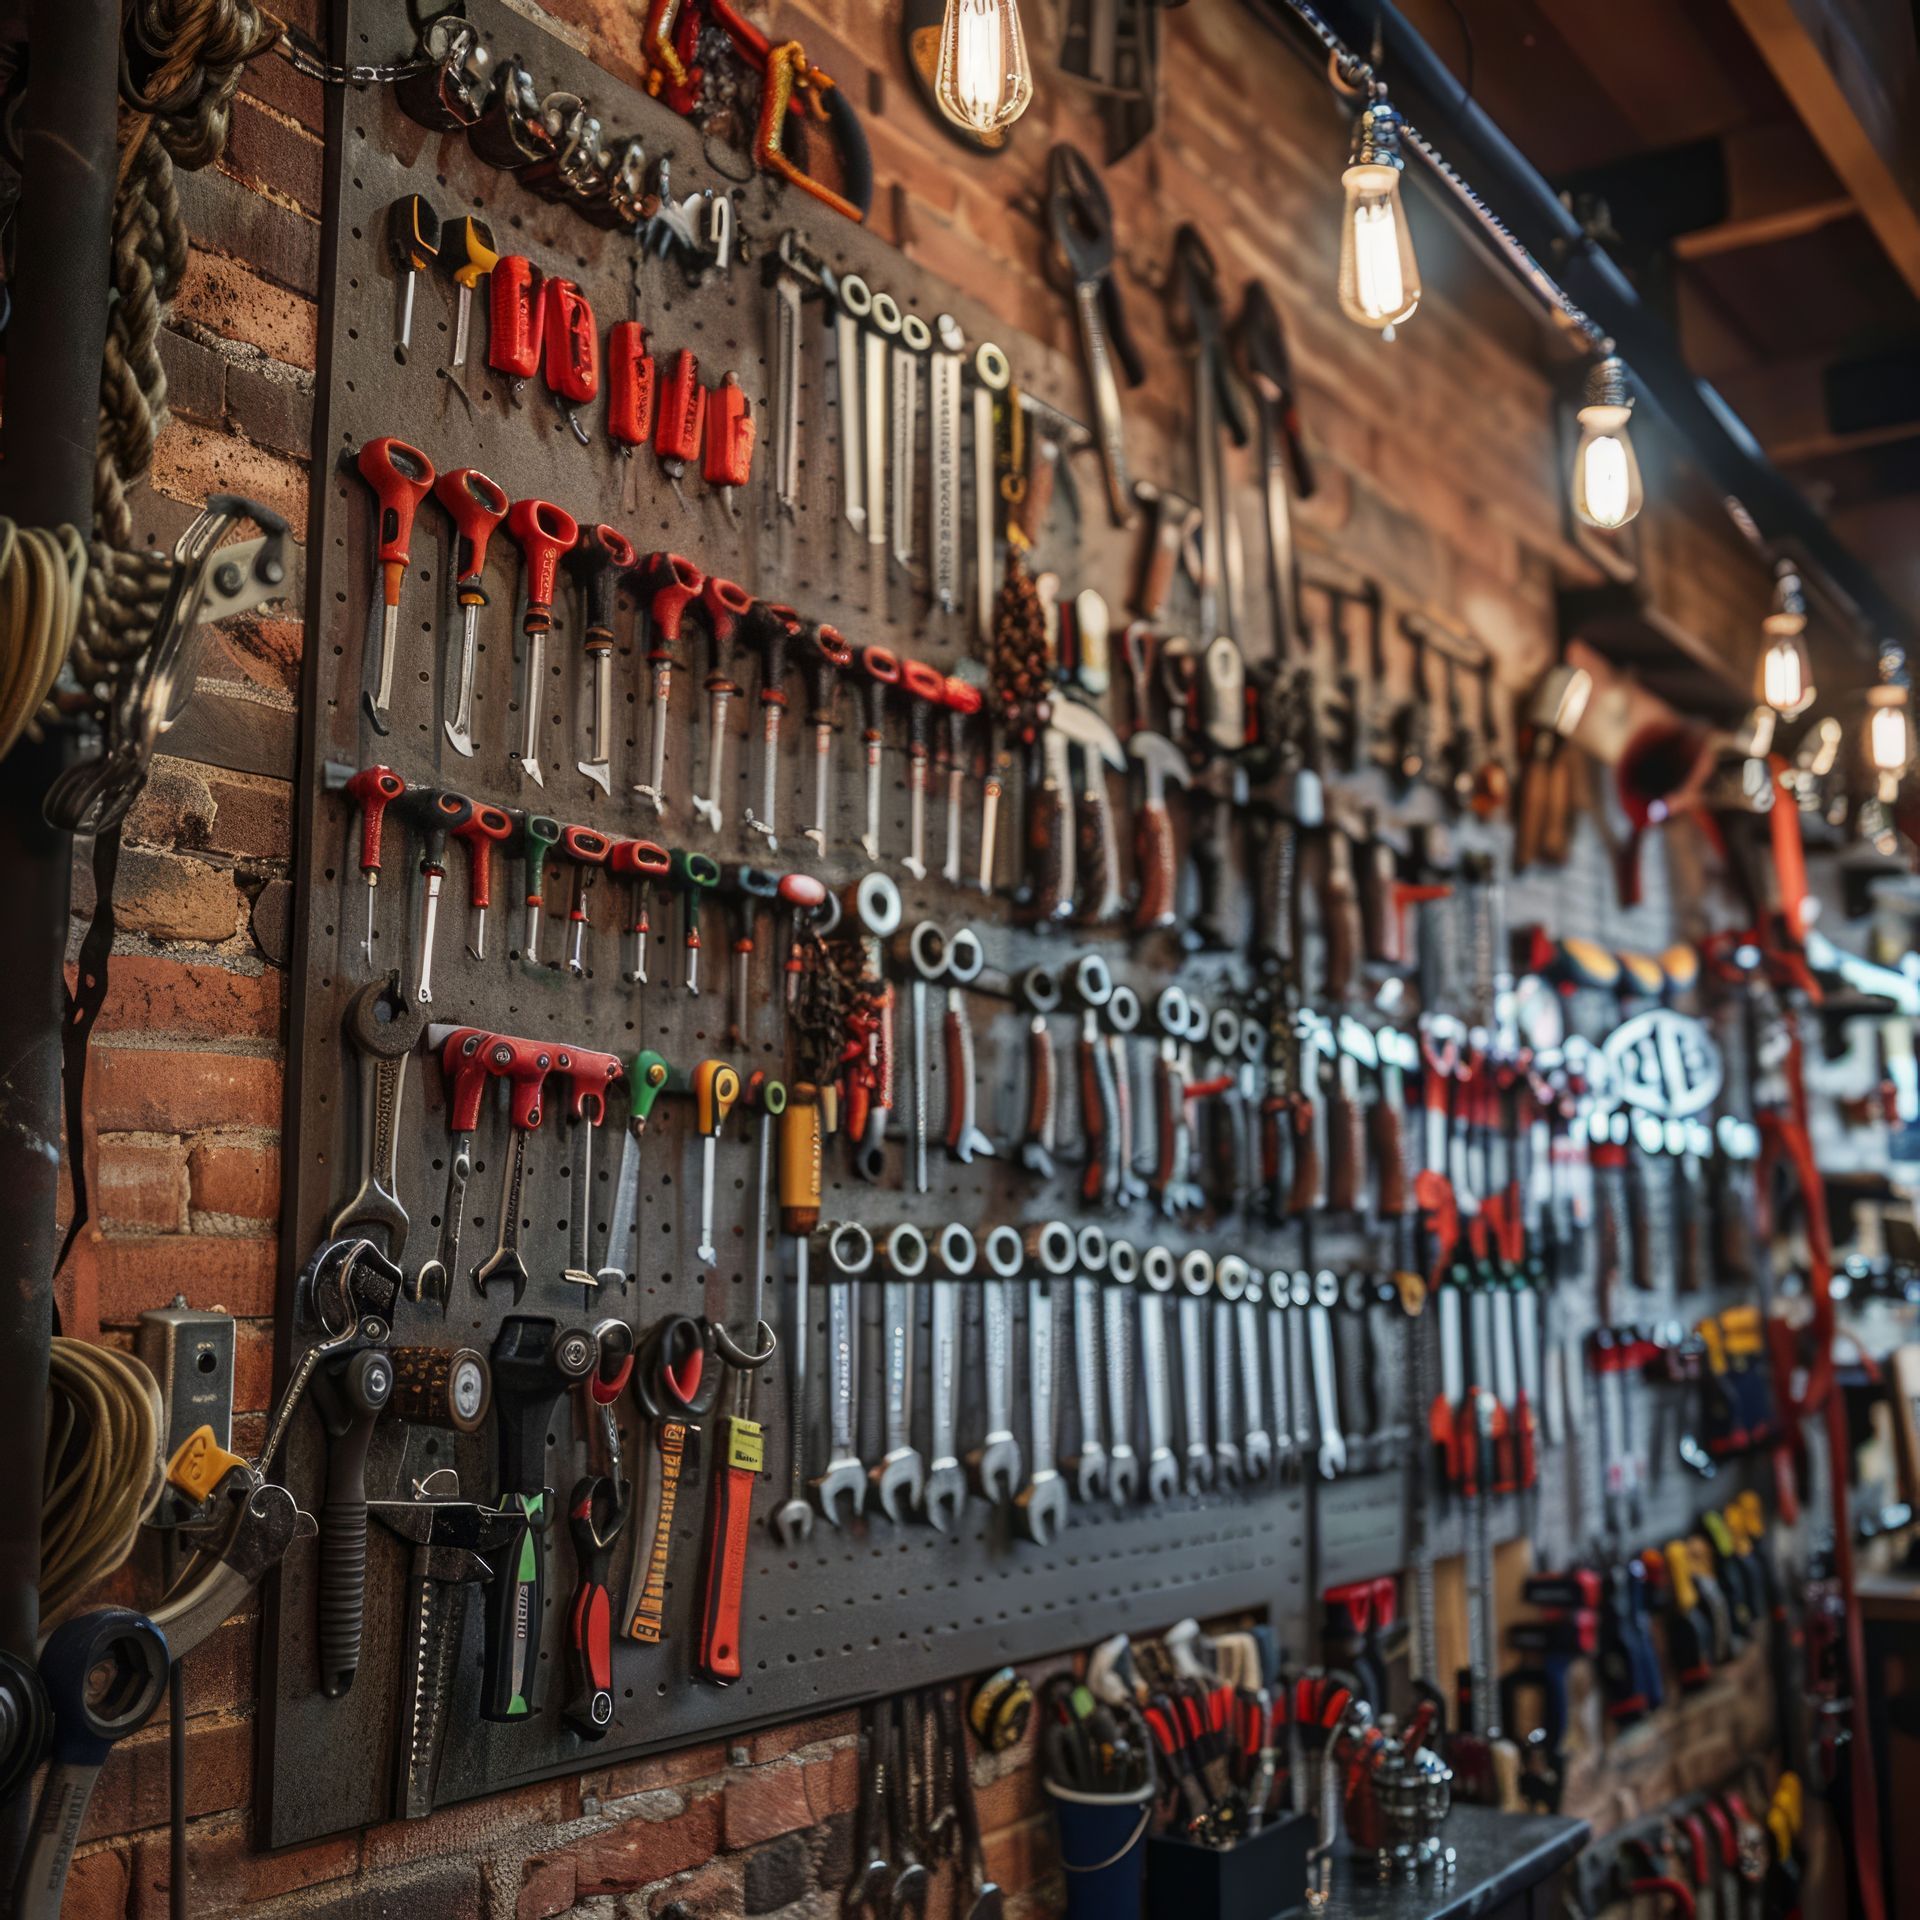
x: 639, y: 860
x: 590, y: 1620
x: 878, y: 663
x: 585, y: 846
x: 960, y: 695
x: 526, y: 1063
x: 476, y: 505
x: 603, y: 556
x: 400, y: 477
x: 482, y: 830
x: 463, y: 1059
x: 680, y: 419
x: 572, y: 343
x: 727, y: 457
x: 589, y: 1075
x: 723, y: 1584
x: 516, y: 316
x: 544, y: 532
x: 630, y: 394
x: 667, y: 584
x: 373, y: 790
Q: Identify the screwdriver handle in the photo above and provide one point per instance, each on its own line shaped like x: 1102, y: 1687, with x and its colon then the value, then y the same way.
x: 725, y: 604
x: 727, y: 455
x: 463, y: 1060
x: 589, y: 1075
x: 667, y: 584
x: 516, y: 315
x: 400, y: 477
x: 526, y: 1063
x: 467, y: 251
x: 630, y: 394
x: 572, y: 343
x: 801, y: 1150
x: 716, y: 1086
x: 692, y: 875
x: 602, y: 556
x: 413, y: 233
x: 373, y: 790
x: 482, y: 830
x: 584, y: 846
x: 475, y: 505
x: 539, y: 834
x: 434, y: 814
x: 926, y: 690
x: 646, y: 1076
x: 680, y: 417
x: 723, y: 1581
x: 544, y: 532
x: 772, y: 628
x: 639, y: 860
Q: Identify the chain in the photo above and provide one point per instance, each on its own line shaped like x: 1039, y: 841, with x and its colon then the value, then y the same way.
x: 305, y: 58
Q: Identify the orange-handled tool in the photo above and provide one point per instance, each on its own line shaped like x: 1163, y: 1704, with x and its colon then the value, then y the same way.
x: 400, y: 477
x: 544, y: 532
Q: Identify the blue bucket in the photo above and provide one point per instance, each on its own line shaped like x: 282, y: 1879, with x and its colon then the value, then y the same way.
x: 1103, y: 1849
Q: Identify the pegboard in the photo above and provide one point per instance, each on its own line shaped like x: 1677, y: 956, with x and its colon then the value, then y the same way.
x: 866, y: 1610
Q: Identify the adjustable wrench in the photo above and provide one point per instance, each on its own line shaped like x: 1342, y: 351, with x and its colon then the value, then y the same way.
x: 996, y: 1462
x: 1332, y: 1457
x: 1196, y: 1282
x: 1051, y: 1251
x: 914, y: 339
x: 1163, y: 1471
x: 944, y: 1491
x: 943, y: 461
x: 1230, y: 1277
x: 1090, y: 1463
x: 1256, y: 1443
x: 849, y: 1254
x: 385, y: 1028
x: 899, y: 1476
x: 1116, y: 1312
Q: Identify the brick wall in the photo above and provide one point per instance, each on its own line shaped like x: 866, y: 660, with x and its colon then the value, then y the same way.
x: 1440, y: 473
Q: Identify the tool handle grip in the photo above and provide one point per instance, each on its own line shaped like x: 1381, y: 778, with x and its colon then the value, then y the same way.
x: 1050, y: 842
x: 1304, y: 1195
x: 1342, y: 936
x: 680, y: 413
x: 544, y: 532
x: 572, y: 344
x: 774, y: 628
x: 1037, y: 1136
x: 516, y: 1604
x: 630, y: 388
x: 516, y: 317
x: 1219, y: 899
x: 730, y: 431
x: 1155, y: 855
x: 373, y: 790
x: 958, y: 1030
x: 1346, y: 1152
x: 647, y: 1621
x: 1156, y: 576
x: 801, y: 1149
x: 724, y: 1581
x: 1388, y: 1126
x: 1096, y: 1117
x: 480, y: 832
x: 343, y: 1582
x: 476, y: 505
x: 603, y: 555
x: 589, y: 1709
x: 400, y: 476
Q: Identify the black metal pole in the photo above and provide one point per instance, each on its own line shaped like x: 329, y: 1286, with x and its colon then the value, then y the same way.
x: 59, y: 286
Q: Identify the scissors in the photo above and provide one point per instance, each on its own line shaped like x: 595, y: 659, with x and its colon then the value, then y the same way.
x: 1080, y: 262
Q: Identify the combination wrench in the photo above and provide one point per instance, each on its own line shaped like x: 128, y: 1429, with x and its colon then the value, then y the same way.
x: 1332, y: 1457
x: 1256, y: 1443
x: 850, y: 1255
x: 944, y: 1491
x: 1050, y: 1252
x: 1230, y: 1276
x: 1116, y: 1310
x: 996, y: 1461
x: 1196, y: 1282
x: 1163, y: 1472
x: 1090, y: 1463
x: 899, y: 1475
x: 385, y: 1027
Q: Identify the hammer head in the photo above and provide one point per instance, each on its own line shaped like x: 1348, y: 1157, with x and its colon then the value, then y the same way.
x: 1160, y: 760
x: 1085, y: 728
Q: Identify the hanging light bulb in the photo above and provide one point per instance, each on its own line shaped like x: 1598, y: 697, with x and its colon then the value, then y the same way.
x: 1606, y: 475
x: 983, y: 82
x: 1889, y: 726
x: 1379, y: 277
x: 1785, y: 680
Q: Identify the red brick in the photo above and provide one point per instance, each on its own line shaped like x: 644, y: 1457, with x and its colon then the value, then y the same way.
x: 192, y: 462
x: 169, y: 897
x: 96, y: 1886
x: 546, y: 1888
x: 234, y: 302
x: 240, y: 1178
x: 775, y: 1743
x: 132, y: 1791
x: 272, y: 405
x: 135, y: 1274
x: 279, y: 242
x: 225, y: 1874
x: 140, y: 1183
x: 640, y: 1851
x: 196, y: 378
x: 674, y: 1769
x: 160, y: 996
x: 833, y: 1784
x: 711, y: 1894
x: 260, y: 648
x: 175, y: 808
x: 253, y: 1365
x: 1013, y: 1796
x: 267, y: 151
x: 1018, y: 1856
x: 252, y: 818
x: 159, y: 1089
x: 475, y: 1824
x: 765, y: 1804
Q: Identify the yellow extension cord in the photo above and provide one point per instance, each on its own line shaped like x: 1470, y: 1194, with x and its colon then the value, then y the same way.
x: 103, y: 1471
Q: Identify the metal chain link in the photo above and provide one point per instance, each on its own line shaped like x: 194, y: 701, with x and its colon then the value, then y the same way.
x: 307, y: 60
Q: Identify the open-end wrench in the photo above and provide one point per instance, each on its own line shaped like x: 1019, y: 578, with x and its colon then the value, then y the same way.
x: 1332, y: 1457
x: 525, y: 1064
x: 899, y: 1475
x: 1116, y: 1312
x: 1038, y: 990
x: 1051, y: 1251
x: 1090, y: 1463
x: 883, y: 329
x: 465, y: 1069
x: 792, y: 1521
x: 943, y: 461
x: 1230, y: 1275
x: 1279, y: 1368
x: 996, y: 1462
x: 944, y: 1491
x: 384, y: 1027
x: 1196, y: 1282
x: 992, y: 376
x: 849, y: 1254
x: 927, y: 958
x: 1157, y: 1277
x: 854, y: 301
x: 965, y: 959
x: 914, y: 339
x: 1256, y: 1443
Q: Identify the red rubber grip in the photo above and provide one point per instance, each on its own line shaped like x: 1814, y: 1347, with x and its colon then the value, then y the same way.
x: 476, y: 505
x: 726, y: 604
x: 630, y: 395
x: 639, y: 860
x: 516, y: 316
x: 401, y: 477
x: 589, y: 1075
x: 959, y: 695
x: 526, y: 1063
x: 668, y: 582
x: 727, y: 453
x: 680, y: 417
x: 572, y: 343
x: 725, y: 1578
x: 544, y: 532
x: 373, y: 790
x: 879, y: 663
x: 463, y: 1059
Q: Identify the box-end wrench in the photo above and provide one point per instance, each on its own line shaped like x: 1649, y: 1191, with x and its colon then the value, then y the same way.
x: 883, y: 329
x: 384, y: 1028
x: 944, y: 1492
x: 1089, y: 1465
x: 943, y: 461
x: 1256, y: 1442
x: 910, y: 345
x: 853, y: 303
x: 1050, y: 1253
x: 1279, y: 1306
x: 849, y: 1255
x: 1196, y: 1282
x: 964, y: 962
x: 992, y: 376
x: 1332, y: 1457
x: 1116, y: 1314
x: 1157, y: 1273
x: 996, y: 1461
x: 1230, y: 1276
x: 899, y: 1475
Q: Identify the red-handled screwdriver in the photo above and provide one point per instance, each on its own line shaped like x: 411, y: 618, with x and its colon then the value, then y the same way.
x: 544, y: 532
x: 727, y: 458
x: 399, y: 476
x: 828, y: 656
x: 433, y: 816
x: 483, y: 829
x: 587, y: 850
x: 413, y: 239
x: 373, y: 790
x: 476, y: 505
x: 642, y: 862
x: 467, y: 253
x: 516, y: 313
x: 572, y: 353
x: 630, y: 400
x: 679, y: 424
x: 603, y: 555
x: 665, y: 584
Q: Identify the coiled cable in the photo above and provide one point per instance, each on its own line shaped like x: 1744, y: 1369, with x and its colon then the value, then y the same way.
x: 43, y: 575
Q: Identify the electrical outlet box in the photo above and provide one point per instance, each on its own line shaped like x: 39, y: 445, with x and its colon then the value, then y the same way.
x: 191, y: 1354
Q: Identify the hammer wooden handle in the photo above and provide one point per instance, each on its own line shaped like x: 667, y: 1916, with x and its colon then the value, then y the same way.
x: 1154, y: 850
x: 1388, y: 1126
x: 1346, y: 1153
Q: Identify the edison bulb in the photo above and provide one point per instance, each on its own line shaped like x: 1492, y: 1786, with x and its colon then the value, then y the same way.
x: 1606, y: 473
x: 1379, y: 277
x: 984, y: 80
x: 1786, y: 674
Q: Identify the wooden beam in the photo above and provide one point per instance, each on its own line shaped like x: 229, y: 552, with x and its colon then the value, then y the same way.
x: 1856, y: 84
x: 1762, y: 229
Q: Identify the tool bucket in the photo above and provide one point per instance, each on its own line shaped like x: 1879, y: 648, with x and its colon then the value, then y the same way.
x: 1103, y: 1849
